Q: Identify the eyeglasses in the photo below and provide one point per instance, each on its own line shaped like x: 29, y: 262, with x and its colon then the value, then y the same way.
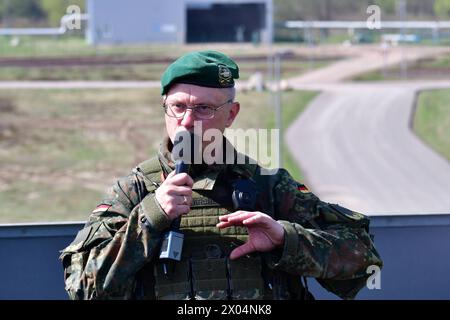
x: 200, y: 111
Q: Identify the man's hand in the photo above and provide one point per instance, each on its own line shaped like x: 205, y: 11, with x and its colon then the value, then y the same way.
x: 174, y: 195
x: 265, y: 234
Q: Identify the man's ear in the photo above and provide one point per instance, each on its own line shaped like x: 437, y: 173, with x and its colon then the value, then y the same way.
x: 234, y: 110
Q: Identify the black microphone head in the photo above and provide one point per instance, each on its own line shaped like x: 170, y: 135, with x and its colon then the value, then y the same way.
x: 186, y: 148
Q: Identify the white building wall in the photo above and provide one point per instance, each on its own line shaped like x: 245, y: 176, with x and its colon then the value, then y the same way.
x: 144, y: 21
x: 136, y: 21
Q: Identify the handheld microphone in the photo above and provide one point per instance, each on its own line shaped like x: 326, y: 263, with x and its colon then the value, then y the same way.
x: 172, y: 244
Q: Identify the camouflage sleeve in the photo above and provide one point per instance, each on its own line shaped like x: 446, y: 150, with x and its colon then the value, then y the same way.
x: 120, y: 237
x: 322, y: 240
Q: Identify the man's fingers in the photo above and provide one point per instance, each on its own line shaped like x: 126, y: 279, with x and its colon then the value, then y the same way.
x: 241, y: 217
x: 240, y: 251
x: 236, y: 215
x: 183, y: 209
x: 184, y: 200
x: 170, y: 175
x: 256, y: 219
x: 182, y: 179
x: 234, y: 219
x: 222, y: 225
x: 180, y: 191
x: 227, y: 216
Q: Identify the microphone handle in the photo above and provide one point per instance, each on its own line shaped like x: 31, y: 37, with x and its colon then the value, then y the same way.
x: 180, y: 167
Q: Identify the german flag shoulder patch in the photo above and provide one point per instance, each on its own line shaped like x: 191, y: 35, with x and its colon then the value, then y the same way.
x: 302, y: 188
x: 101, y: 208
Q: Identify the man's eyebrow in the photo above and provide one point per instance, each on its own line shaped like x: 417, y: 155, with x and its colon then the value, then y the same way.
x: 215, y: 102
x: 203, y: 103
x: 176, y: 101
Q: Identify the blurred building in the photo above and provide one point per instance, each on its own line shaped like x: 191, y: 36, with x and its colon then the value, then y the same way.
x: 179, y: 21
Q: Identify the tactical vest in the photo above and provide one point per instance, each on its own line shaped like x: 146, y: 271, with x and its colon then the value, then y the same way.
x: 205, y: 271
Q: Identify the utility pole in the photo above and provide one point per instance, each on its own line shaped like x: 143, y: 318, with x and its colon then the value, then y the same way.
x: 270, y: 73
x: 273, y: 81
x: 401, y: 11
x: 6, y: 10
x: 308, y: 34
x: 277, y: 100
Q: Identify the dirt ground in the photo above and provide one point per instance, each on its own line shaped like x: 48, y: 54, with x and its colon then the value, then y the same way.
x: 48, y: 147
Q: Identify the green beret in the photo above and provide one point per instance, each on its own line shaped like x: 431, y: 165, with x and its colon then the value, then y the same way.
x: 203, y: 68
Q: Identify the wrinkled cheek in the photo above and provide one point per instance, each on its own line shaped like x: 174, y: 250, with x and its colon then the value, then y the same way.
x: 171, y: 127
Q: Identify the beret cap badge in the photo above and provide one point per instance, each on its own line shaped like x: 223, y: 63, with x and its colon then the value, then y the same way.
x: 224, y: 75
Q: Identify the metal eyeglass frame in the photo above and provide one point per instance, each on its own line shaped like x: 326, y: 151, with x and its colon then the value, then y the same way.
x: 215, y: 108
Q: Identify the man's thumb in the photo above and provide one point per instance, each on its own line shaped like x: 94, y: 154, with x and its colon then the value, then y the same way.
x: 242, y: 250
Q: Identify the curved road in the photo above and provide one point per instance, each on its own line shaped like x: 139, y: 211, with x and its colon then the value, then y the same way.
x: 356, y: 147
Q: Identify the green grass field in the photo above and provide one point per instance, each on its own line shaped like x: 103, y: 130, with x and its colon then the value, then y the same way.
x: 149, y: 71
x: 432, y: 120
x: 75, y: 48
x: 63, y: 46
x: 61, y: 149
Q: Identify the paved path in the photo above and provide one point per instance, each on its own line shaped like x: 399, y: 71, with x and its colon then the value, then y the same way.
x: 356, y: 147
x: 364, y: 59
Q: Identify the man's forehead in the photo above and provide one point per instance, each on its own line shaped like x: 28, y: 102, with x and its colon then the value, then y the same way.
x: 188, y: 92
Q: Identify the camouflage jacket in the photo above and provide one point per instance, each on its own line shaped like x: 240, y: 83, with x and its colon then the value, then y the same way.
x: 123, y: 235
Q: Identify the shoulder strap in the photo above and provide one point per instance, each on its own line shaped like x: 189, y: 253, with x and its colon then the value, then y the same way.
x: 151, y: 165
x: 247, y: 169
x: 150, y: 170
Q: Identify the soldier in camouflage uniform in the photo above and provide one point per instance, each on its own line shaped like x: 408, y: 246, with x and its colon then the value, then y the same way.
x: 262, y: 253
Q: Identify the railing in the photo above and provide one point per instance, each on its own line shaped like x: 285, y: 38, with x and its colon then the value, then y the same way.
x: 44, y: 31
x: 363, y: 24
x: 415, y: 250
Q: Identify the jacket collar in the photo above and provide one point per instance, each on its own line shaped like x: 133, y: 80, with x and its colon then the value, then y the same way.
x: 204, y: 175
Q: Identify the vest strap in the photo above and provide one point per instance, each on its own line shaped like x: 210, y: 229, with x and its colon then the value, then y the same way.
x: 150, y: 170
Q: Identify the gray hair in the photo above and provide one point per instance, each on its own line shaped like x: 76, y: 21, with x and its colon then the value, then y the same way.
x: 230, y: 93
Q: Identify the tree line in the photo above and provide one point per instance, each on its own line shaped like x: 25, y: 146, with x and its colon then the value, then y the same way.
x: 19, y: 13
x: 356, y: 9
x: 28, y: 12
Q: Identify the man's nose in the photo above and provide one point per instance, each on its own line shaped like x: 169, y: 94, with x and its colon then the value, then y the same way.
x: 188, y: 119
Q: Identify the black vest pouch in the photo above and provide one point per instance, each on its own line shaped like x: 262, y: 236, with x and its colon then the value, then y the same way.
x: 209, y: 278
x: 246, y: 278
x: 174, y: 285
